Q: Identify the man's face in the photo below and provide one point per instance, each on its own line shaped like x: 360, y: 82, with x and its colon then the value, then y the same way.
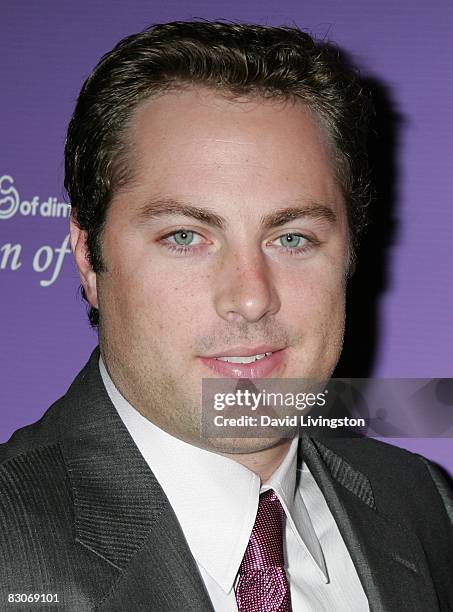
x: 230, y: 240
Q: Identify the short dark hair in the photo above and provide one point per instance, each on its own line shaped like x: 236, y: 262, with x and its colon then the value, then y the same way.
x: 238, y: 59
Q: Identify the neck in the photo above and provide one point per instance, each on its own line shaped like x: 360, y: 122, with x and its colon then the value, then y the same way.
x: 264, y: 462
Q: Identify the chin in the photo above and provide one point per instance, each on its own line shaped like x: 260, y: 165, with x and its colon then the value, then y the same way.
x: 245, y: 446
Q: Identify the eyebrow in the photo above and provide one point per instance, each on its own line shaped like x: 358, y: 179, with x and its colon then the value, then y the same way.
x: 160, y: 207
x: 169, y: 206
x: 292, y: 213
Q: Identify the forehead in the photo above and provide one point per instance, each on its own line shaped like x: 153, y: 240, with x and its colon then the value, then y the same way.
x: 204, y: 146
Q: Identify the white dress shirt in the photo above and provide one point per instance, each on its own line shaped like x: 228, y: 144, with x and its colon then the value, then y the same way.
x: 215, y: 500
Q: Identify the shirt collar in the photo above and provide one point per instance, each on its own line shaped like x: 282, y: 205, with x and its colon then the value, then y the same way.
x: 284, y: 482
x: 212, y: 494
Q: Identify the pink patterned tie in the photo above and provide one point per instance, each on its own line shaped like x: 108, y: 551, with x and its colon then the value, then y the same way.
x: 263, y: 585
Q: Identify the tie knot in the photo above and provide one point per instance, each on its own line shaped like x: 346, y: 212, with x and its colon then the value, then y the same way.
x: 265, y: 547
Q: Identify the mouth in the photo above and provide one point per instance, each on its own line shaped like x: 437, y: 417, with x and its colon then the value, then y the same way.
x: 243, y: 362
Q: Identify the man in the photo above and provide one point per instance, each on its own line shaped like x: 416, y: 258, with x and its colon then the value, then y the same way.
x: 218, y: 182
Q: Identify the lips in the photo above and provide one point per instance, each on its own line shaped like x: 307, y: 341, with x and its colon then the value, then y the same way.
x: 262, y: 368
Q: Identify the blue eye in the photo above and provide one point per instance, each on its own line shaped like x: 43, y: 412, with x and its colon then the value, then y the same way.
x: 290, y: 241
x: 183, y: 242
x: 294, y: 244
x: 183, y: 237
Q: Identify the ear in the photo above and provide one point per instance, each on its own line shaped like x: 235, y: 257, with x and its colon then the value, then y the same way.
x: 80, y: 251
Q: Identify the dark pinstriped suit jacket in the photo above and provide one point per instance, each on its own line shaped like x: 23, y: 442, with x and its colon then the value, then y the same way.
x: 82, y: 516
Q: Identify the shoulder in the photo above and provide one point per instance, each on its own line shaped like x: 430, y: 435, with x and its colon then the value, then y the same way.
x: 33, y: 473
x: 43, y: 432
x: 371, y: 454
x: 36, y: 510
x: 58, y: 422
x: 31, y: 460
x: 402, y: 478
x: 39, y: 552
x: 32, y: 469
x: 36, y: 507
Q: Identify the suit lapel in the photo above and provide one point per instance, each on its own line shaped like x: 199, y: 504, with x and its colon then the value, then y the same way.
x: 121, y: 513
x: 388, y: 557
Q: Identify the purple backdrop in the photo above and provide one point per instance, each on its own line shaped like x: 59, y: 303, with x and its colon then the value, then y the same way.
x: 49, y: 47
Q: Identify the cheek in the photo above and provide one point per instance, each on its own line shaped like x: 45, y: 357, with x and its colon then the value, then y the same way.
x: 167, y: 303
x: 314, y: 296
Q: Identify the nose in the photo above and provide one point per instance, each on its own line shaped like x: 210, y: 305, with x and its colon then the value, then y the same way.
x: 246, y: 289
